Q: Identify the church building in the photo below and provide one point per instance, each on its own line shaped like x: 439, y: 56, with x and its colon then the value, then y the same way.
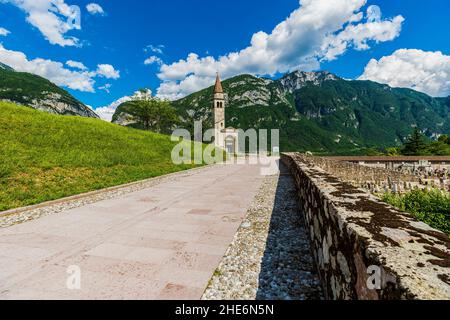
x: 224, y: 137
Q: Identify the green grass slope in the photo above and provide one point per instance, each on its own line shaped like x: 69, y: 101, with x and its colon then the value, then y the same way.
x: 45, y: 157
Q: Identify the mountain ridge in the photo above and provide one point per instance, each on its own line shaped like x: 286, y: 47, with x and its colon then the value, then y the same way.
x: 39, y: 93
x: 315, y: 111
x: 321, y: 112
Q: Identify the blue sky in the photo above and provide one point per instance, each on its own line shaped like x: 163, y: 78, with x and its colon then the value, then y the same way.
x: 116, y: 39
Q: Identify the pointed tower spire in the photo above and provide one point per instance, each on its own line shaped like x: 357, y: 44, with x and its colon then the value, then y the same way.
x: 218, y: 87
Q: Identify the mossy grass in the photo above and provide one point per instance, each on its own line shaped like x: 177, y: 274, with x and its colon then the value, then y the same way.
x: 46, y: 157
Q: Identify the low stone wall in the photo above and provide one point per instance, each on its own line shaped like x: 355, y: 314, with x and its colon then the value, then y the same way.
x: 364, y: 248
x: 374, y: 179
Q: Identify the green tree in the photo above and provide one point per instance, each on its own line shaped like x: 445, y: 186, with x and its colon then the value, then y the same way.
x: 445, y: 139
x: 415, y: 145
x: 439, y: 148
x: 152, y: 113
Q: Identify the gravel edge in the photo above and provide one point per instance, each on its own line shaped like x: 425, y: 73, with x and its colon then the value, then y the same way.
x: 270, y: 257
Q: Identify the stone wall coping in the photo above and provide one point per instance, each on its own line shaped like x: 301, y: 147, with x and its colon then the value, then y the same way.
x: 437, y: 159
x: 418, y: 255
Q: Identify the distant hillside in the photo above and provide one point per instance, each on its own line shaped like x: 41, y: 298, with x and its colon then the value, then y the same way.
x: 45, y: 156
x: 320, y: 112
x: 36, y: 92
x: 5, y: 67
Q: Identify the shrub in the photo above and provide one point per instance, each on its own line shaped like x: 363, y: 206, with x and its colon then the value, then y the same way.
x: 430, y: 206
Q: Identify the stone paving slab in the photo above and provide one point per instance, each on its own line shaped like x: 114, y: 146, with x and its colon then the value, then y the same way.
x: 161, y: 242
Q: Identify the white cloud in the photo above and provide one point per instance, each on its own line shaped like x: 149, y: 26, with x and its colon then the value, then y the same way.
x: 82, y: 80
x: 51, y: 70
x: 4, y: 32
x: 159, y: 49
x: 152, y: 60
x: 359, y: 35
x: 318, y: 30
x: 76, y: 65
x: 106, y: 87
x: 95, y: 8
x: 106, y: 113
x: 107, y: 71
x: 53, y: 18
x: 424, y: 71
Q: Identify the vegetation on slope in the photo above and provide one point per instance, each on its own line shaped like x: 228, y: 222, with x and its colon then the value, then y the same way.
x: 34, y: 91
x: 416, y: 145
x: 46, y: 157
x: 430, y: 206
x: 326, y: 116
x: 149, y: 113
x: 295, y: 135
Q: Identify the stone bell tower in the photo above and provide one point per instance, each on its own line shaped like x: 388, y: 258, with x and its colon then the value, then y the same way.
x: 219, y: 113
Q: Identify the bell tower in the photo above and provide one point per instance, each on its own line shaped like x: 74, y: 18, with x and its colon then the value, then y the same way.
x: 219, y: 113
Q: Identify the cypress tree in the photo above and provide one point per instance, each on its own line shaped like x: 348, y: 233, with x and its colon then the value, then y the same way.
x: 415, y: 145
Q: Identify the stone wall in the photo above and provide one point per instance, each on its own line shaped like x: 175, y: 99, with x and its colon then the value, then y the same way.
x: 432, y: 171
x: 364, y: 248
x: 373, y: 179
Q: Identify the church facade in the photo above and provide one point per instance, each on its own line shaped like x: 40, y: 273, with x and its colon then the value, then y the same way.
x: 224, y: 137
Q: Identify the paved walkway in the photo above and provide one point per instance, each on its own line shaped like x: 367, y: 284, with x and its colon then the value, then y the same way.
x: 163, y: 242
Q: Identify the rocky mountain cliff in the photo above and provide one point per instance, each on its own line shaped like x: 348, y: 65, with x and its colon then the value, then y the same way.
x: 318, y: 111
x: 39, y: 93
